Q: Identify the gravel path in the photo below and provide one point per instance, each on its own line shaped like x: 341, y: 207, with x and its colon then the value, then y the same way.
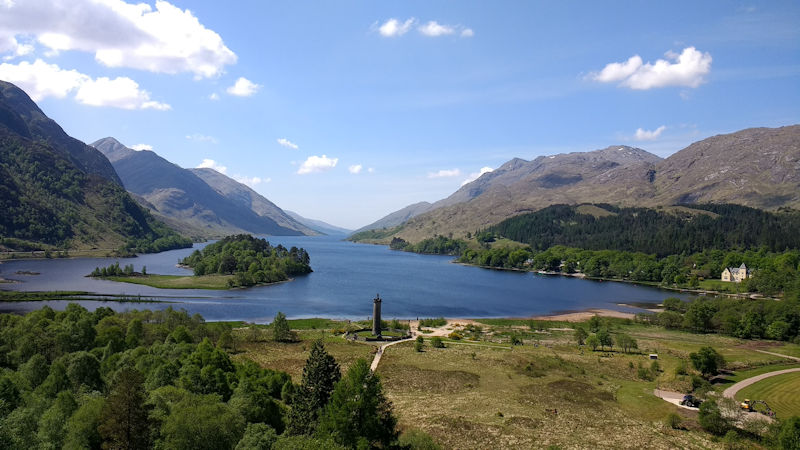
x: 378, y: 355
x: 672, y: 397
x: 733, y: 390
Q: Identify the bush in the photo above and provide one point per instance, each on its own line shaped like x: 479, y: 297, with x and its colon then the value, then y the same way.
x: 674, y: 421
x: 644, y: 374
x: 418, y: 346
x: 455, y: 335
x: 436, y: 342
x: 711, y: 419
x: 433, y: 323
x: 417, y: 440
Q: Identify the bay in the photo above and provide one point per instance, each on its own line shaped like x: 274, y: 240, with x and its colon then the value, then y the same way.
x: 345, y: 279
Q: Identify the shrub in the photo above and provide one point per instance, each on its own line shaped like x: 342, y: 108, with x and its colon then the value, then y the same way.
x: 711, y: 419
x: 455, y: 335
x: 674, y: 421
x: 436, y: 342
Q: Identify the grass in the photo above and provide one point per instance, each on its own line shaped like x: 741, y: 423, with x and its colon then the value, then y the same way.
x: 721, y: 286
x: 291, y: 357
x: 215, y: 282
x: 547, y: 392
x: 781, y: 392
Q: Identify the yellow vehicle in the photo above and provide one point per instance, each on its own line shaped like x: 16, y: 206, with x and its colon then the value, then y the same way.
x: 759, y: 406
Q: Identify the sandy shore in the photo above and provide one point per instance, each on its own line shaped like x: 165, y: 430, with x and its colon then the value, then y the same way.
x: 586, y: 315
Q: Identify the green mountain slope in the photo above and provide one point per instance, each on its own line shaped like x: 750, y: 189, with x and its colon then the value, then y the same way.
x: 57, y: 191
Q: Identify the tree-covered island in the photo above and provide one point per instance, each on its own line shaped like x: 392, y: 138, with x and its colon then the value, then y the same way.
x: 236, y: 261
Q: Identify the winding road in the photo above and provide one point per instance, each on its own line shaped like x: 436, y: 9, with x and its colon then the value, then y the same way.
x: 734, y: 389
x: 676, y: 397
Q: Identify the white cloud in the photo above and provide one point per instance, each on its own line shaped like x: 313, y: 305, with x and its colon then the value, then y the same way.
x: 243, y: 88
x: 251, y: 181
x: 211, y: 164
x: 213, y: 96
x: 140, y: 147
x: 467, y: 32
x: 197, y: 137
x: 435, y: 29
x: 287, y: 143
x: 316, y: 164
x: 371, y: 170
x: 121, y: 92
x: 445, y: 173
x: 688, y: 69
x: 166, y: 39
x: 475, y: 175
x: 394, y: 27
x: 13, y: 48
x: 354, y: 169
x: 618, y: 71
x: 646, y: 135
x: 41, y: 80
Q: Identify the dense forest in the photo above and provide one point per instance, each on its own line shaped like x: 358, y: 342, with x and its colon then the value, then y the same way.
x: 438, y: 245
x: 46, y: 199
x: 251, y: 259
x: 773, y: 272
x: 163, y: 379
x: 678, y: 230
x: 742, y: 318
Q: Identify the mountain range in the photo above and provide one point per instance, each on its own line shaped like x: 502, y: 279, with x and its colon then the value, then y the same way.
x: 758, y: 167
x: 201, y: 202
x: 58, y: 191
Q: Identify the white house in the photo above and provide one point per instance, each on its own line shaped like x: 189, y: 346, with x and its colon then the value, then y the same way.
x: 736, y: 274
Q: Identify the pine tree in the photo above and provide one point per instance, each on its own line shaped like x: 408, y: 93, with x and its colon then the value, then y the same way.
x: 319, y: 378
x: 125, y: 423
x: 281, y: 328
x: 358, y: 413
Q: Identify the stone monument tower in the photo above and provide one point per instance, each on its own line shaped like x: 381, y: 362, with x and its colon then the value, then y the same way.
x: 376, y: 315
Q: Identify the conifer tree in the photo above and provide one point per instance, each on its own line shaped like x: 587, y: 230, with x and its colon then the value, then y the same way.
x: 125, y: 423
x: 280, y: 327
x: 320, y: 375
x: 358, y: 413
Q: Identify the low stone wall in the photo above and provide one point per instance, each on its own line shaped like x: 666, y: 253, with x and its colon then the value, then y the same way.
x: 354, y: 336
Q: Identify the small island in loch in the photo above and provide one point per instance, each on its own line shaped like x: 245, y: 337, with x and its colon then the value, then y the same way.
x: 235, y: 261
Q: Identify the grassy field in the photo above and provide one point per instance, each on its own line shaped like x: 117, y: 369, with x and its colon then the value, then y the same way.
x: 291, y: 357
x: 484, y: 392
x: 216, y: 282
x: 781, y: 392
x: 721, y: 286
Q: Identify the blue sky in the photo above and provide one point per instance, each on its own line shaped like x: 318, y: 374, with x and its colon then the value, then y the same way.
x: 346, y: 111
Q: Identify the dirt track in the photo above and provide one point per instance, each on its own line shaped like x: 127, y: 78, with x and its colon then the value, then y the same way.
x: 733, y: 390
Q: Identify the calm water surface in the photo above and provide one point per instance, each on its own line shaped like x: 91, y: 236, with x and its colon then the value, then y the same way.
x: 346, y: 277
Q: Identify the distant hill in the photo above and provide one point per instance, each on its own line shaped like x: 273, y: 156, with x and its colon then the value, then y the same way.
x: 757, y: 167
x: 611, y: 175
x: 242, y: 195
x: 318, y: 225
x: 202, y: 203
x: 58, y: 191
x: 398, y: 217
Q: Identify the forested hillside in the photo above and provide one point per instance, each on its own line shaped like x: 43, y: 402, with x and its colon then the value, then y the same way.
x: 58, y: 192
x: 663, y: 231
